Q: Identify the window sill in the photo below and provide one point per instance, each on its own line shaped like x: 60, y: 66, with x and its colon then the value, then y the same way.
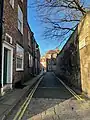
x: 19, y: 70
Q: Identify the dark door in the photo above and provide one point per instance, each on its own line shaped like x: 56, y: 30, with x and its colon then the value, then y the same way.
x: 5, y: 66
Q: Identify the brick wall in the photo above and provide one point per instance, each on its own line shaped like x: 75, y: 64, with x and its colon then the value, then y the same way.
x: 11, y: 27
x: 38, y: 61
x: 28, y: 50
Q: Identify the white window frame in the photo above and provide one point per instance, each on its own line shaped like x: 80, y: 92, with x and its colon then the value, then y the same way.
x: 20, y: 19
x: 21, y: 57
x: 30, y: 60
x: 9, y: 37
x: 29, y: 40
x: 12, y: 3
x: 36, y: 63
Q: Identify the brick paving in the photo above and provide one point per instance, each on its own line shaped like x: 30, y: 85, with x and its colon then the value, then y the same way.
x: 56, y: 109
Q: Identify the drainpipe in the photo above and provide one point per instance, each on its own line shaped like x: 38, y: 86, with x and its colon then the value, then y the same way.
x: 1, y: 32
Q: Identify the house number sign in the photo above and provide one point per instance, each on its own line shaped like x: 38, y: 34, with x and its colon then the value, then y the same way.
x: 82, y: 44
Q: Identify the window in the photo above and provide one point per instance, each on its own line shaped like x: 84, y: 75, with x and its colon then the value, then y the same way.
x: 8, y: 38
x: 19, y: 57
x: 20, y: 20
x: 29, y: 42
x: 22, y: 0
x: 19, y: 62
x: 12, y: 3
x: 35, y: 63
x: 30, y: 60
x: 54, y: 55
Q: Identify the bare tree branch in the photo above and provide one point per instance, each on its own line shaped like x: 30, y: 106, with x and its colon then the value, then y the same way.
x: 60, y: 17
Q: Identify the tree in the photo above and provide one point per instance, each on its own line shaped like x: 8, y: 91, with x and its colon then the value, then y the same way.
x: 60, y: 17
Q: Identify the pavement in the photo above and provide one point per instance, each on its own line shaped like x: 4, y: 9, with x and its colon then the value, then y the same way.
x: 13, y: 97
x: 54, y: 109
x: 50, y: 87
x: 52, y: 101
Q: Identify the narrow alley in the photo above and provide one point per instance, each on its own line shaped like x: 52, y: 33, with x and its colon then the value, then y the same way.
x: 52, y: 101
x: 45, y: 60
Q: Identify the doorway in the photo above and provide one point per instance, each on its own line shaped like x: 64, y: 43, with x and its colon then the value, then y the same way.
x: 5, y: 69
x: 7, y: 66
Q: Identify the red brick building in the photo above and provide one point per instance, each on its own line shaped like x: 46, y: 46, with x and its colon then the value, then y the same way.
x: 17, y: 45
x: 51, y: 59
x: 48, y: 61
x: 36, y: 57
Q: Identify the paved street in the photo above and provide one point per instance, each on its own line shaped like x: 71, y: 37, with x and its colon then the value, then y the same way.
x: 52, y: 101
x: 50, y: 87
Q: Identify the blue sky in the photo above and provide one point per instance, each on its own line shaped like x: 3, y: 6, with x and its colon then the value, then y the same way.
x: 37, y: 28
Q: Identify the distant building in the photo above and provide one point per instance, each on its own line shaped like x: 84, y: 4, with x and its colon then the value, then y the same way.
x: 51, y: 59
x: 43, y: 62
x: 48, y: 61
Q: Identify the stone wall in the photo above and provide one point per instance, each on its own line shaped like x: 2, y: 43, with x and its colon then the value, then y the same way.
x: 73, y: 62
x: 84, y: 51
